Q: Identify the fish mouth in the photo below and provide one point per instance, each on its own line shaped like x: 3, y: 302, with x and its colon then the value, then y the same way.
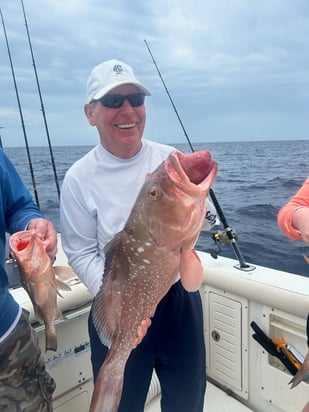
x: 21, y: 241
x: 195, y: 171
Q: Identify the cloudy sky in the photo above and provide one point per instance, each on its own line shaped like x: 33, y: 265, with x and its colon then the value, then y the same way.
x: 235, y: 69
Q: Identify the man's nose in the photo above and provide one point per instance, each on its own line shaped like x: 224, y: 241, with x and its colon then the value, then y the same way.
x: 127, y: 106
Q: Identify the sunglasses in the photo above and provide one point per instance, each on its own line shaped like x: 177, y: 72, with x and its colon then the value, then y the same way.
x: 115, y: 101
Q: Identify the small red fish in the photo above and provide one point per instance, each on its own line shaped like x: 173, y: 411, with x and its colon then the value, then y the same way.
x: 144, y: 259
x: 38, y: 277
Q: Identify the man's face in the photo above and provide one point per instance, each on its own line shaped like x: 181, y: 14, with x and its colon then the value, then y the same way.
x: 120, y: 129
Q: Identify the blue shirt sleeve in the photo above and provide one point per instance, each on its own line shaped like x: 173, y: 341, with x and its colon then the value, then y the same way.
x: 17, y: 207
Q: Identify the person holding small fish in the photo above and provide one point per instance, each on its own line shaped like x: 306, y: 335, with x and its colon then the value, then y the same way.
x: 293, y: 220
x: 97, y: 197
x: 24, y: 383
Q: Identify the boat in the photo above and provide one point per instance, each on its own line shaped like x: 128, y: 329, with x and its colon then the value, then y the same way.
x: 242, y: 375
x: 239, y: 303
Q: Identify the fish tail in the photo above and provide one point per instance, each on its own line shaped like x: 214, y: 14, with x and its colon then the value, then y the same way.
x: 50, y: 338
x: 108, y: 389
x: 50, y: 341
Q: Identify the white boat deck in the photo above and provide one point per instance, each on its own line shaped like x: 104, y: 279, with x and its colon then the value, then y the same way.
x: 215, y: 401
x: 277, y: 301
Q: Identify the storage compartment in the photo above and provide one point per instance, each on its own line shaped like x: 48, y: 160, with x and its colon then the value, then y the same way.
x: 70, y: 366
x: 74, y: 402
x: 227, y: 340
x: 275, y: 386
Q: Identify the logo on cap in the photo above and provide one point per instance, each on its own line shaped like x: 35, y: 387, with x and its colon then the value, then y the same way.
x: 118, y: 69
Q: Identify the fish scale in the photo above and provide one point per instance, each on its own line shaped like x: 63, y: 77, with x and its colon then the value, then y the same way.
x: 143, y: 261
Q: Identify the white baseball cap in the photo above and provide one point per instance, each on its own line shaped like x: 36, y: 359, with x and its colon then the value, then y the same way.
x: 108, y: 75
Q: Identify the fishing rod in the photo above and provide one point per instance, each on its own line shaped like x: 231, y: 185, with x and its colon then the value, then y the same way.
x: 230, y: 234
x: 1, y: 145
x: 21, y: 115
x: 42, y: 105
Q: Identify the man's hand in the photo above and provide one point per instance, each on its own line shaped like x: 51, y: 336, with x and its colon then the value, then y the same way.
x: 47, y: 233
x: 141, y: 331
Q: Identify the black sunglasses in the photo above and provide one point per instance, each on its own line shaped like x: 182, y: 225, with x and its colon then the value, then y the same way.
x: 115, y: 101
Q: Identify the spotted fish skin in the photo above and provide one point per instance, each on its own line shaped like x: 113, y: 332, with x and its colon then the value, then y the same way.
x: 144, y: 259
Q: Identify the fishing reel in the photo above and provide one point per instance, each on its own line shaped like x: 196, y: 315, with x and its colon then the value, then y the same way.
x: 222, y: 237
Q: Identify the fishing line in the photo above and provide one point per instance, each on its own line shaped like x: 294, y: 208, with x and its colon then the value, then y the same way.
x: 42, y: 105
x: 229, y: 232
x: 21, y: 114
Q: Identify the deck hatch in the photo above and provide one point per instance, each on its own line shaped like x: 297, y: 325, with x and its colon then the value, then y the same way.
x: 226, y: 334
x: 225, y: 319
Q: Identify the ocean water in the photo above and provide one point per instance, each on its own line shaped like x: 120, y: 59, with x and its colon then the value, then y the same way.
x: 255, y: 179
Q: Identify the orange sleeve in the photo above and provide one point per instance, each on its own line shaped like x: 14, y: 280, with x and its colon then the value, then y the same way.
x: 285, y: 215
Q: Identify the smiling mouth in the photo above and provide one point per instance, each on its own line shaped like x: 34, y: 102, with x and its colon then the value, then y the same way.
x: 126, y: 125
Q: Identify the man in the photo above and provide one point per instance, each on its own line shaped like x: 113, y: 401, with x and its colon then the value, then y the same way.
x: 24, y: 383
x: 97, y: 195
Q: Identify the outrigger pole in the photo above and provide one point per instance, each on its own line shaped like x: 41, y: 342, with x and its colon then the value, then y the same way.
x: 42, y: 105
x: 21, y: 115
x: 229, y: 232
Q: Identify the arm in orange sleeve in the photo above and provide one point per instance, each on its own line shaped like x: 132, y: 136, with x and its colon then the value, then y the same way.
x: 293, y: 218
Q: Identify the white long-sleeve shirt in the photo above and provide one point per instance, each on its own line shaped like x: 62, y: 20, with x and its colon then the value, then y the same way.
x: 97, y: 195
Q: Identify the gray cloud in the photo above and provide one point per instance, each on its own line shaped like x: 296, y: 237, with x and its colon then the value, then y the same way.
x: 236, y: 69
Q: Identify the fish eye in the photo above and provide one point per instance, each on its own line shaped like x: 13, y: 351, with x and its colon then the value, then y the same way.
x: 153, y: 193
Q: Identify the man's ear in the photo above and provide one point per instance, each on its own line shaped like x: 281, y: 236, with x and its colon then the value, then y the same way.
x: 88, y: 109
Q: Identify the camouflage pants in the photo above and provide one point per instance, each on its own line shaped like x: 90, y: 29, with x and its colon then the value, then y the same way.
x: 25, y: 386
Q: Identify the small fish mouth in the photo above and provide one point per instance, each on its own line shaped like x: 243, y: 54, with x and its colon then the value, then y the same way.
x: 19, y: 243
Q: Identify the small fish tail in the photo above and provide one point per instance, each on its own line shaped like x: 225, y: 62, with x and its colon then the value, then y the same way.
x: 50, y: 336
x: 50, y: 341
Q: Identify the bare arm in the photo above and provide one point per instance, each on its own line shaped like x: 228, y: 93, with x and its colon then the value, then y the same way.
x: 293, y: 217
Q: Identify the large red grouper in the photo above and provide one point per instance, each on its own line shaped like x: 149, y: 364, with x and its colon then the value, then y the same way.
x: 145, y: 258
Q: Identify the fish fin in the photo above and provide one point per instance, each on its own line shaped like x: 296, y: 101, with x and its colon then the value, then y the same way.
x: 191, y: 270
x: 106, y: 313
x: 64, y: 272
x: 62, y: 286
x: 302, y: 374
